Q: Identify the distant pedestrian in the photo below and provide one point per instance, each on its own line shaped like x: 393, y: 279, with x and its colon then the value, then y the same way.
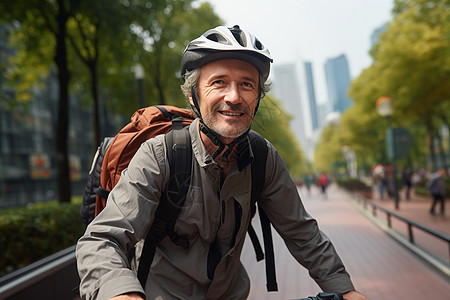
x: 436, y: 187
x: 323, y: 183
x: 308, y: 182
x: 379, y: 177
x: 407, y: 181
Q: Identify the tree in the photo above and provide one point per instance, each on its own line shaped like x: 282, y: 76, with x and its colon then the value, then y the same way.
x: 272, y: 122
x: 164, y: 38
x: 411, y: 65
x: 99, y: 33
x: 42, y: 20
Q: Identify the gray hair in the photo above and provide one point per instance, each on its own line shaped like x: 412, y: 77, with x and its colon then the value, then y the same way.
x: 191, y: 82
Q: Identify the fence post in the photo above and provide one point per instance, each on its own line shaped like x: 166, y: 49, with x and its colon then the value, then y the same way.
x: 410, y: 231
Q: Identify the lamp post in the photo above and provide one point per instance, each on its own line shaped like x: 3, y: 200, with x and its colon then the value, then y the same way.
x: 139, y: 75
x: 385, y: 108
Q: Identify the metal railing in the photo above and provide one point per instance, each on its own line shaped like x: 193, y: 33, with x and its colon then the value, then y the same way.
x: 375, y: 208
x: 54, y: 277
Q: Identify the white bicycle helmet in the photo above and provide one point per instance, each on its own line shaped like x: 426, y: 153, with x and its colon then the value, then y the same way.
x: 224, y: 43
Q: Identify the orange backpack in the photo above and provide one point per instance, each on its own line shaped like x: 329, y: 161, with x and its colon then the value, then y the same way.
x: 145, y: 123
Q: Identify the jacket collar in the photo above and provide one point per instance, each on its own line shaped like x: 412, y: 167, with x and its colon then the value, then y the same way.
x: 245, y: 153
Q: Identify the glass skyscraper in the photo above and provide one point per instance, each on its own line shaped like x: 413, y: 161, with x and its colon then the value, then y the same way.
x: 311, y: 95
x: 338, y: 82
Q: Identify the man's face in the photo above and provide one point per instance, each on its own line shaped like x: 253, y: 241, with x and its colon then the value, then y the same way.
x: 228, y: 93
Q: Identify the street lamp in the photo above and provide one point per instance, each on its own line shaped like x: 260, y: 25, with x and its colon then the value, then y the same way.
x: 385, y: 108
x: 139, y: 75
x: 333, y: 118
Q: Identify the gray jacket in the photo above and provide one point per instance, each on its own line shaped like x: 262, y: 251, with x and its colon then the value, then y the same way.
x: 436, y: 185
x: 212, y: 211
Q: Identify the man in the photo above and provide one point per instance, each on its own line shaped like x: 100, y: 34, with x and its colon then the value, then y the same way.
x: 225, y: 71
x: 407, y: 181
x: 437, y: 189
x: 323, y: 183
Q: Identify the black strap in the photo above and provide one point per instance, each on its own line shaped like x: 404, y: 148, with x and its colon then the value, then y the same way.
x: 164, y: 111
x: 260, y: 150
x: 255, y: 241
x: 179, y: 156
x: 102, y: 192
x: 258, y: 166
x: 271, y: 278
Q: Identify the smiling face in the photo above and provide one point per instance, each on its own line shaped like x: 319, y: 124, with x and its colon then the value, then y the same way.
x: 228, y: 93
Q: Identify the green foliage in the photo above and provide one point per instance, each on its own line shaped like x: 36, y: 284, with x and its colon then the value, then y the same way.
x: 27, y: 72
x: 411, y: 64
x: 30, y: 234
x: 327, y: 150
x: 156, y: 40
x: 353, y: 184
x: 166, y: 36
x: 272, y: 122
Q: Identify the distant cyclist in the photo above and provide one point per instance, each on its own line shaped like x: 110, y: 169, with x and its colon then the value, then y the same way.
x: 224, y: 72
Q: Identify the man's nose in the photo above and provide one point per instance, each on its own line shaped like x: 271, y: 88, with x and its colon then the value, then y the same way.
x: 232, y: 94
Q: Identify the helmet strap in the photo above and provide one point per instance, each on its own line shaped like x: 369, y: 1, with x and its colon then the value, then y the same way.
x: 214, y: 136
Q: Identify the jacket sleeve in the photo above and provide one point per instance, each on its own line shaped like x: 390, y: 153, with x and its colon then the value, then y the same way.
x: 102, y: 252
x: 300, y: 232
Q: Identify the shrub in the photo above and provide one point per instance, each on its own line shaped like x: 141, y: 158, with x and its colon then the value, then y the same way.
x: 353, y: 185
x: 421, y: 187
x: 31, y: 233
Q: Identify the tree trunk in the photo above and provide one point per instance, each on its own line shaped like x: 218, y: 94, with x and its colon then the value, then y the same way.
x: 159, y: 87
x: 429, y: 140
x: 441, y: 150
x: 96, y: 106
x: 64, y: 188
x: 162, y: 99
x: 158, y: 80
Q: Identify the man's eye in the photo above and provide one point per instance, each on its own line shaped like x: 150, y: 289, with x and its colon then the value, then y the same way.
x: 218, y: 82
x: 247, y: 84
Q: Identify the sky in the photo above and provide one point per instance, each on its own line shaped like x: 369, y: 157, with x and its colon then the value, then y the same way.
x: 310, y: 30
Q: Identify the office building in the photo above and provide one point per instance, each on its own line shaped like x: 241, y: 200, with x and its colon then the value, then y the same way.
x: 285, y: 88
x: 311, y: 96
x: 337, y: 76
x: 375, y: 37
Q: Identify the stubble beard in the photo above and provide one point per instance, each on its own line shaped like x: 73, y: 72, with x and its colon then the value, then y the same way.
x: 234, y: 129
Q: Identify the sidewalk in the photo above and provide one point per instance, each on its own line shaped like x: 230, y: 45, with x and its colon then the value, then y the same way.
x: 432, y: 248
x: 380, y: 267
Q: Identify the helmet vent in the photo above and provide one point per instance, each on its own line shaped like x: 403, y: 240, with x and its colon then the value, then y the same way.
x: 218, y: 38
x: 239, y: 35
x: 240, y: 38
x: 258, y: 45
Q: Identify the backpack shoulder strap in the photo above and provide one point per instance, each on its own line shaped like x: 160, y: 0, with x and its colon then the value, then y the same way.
x: 258, y: 168
x: 260, y: 150
x: 179, y: 156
